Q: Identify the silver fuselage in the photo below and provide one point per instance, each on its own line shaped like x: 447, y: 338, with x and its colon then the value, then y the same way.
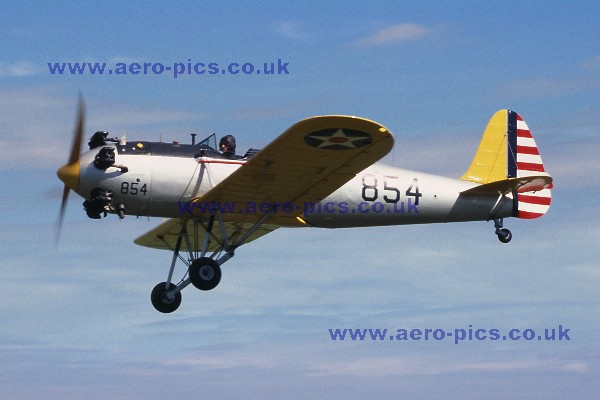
x: 159, y: 186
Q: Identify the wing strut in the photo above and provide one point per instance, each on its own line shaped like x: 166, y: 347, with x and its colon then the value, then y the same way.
x: 211, y: 221
x: 203, y: 265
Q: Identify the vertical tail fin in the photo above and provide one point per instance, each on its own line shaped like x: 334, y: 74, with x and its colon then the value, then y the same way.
x: 508, y: 151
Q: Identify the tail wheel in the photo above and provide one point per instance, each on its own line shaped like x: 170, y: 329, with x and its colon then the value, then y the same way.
x: 205, y: 273
x: 504, y: 235
x: 165, y: 300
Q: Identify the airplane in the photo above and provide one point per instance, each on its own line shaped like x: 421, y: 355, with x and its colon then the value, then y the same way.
x: 322, y: 172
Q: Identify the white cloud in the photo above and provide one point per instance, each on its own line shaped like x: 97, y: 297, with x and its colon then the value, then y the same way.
x: 17, y: 69
x: 589, y: 272
x: 418, y: 366
x: 37, y: 124
x: 572, y: 162
x: 290, y: 30
x: 206, y: 360
x: 394, y: 34
x: 122, y: 59
x: 592, y: 63
x: 578, y: 367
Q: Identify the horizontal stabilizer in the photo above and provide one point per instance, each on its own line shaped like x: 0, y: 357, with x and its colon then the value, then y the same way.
x: 508, y: 185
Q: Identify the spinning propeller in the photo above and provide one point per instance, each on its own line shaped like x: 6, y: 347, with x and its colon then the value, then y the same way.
x: 69, y: 173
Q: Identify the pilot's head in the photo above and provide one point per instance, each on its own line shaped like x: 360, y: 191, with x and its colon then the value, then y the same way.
x: 227, y: 145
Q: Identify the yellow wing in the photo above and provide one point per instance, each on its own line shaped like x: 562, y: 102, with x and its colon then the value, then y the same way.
x: 165, y: 235
x: 306, y: 163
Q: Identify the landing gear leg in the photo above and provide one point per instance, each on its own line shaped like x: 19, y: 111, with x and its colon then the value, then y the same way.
x: 204, y: 261
x: 504, y: 235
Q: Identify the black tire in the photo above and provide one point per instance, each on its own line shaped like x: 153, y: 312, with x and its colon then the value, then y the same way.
x: 504, y: 235
x: 160, y: 300
x: 205, y: 273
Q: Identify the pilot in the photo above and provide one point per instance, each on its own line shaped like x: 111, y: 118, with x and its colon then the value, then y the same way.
x: 227, y: 146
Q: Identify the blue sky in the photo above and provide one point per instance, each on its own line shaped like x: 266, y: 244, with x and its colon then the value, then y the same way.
x: 77, y: 320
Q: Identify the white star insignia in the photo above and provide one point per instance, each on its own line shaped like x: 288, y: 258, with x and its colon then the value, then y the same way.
x: 339, y: 138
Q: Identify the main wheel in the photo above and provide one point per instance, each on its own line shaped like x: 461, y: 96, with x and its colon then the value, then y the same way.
x: 205, y: 273
x: 504, y: 235
x: 162, y: 301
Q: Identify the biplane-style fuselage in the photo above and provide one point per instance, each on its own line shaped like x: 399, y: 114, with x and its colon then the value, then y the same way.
x: 322, y: 172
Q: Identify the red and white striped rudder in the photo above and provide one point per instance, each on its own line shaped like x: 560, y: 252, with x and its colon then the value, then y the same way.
x: 524, y: 160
